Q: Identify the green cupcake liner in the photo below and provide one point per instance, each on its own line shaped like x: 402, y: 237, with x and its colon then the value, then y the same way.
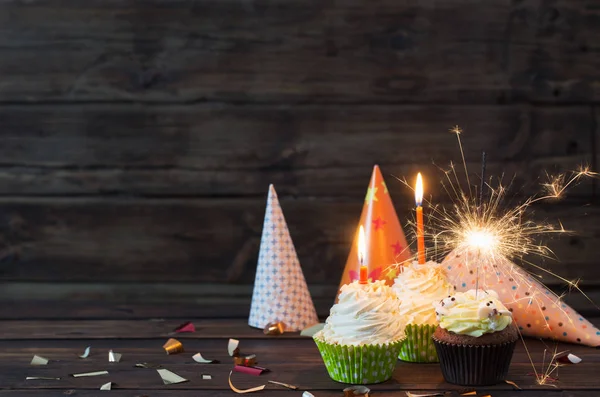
x: 365, y: 364
x: 418, y: 347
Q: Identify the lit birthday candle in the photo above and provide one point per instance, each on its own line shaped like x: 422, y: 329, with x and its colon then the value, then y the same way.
x: 420, y: 229
x: 362, y: 248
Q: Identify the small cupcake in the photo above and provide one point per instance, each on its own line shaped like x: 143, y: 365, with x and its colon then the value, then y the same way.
x: 418, y: 287
x: 475, y: 339
x: 362, y: 335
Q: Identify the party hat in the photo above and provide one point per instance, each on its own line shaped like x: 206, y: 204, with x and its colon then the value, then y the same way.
x: 537, y: 311
x: 280, y: 291
x: 385, y: 241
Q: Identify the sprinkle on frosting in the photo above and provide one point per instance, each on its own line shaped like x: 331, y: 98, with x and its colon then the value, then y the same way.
x: 364, y: 314
x: 418, y: 287
x: 473, y: 313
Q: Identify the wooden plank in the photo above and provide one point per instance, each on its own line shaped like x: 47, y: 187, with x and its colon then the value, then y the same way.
x: 306, y: 370
x: 209, y: 150
x: 299, y: 50
x: 135, y: 329
x: 204, y: 240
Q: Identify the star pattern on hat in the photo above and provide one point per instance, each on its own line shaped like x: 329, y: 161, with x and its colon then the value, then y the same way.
x: 379, y: 223
x: 280, y: 290
x: 371, y: 194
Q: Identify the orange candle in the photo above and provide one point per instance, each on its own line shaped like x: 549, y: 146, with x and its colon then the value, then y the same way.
x: 362, y: 248
x: 420, y: 228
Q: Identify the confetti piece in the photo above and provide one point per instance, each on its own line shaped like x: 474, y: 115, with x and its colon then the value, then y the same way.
x: 409, y: 394
x: 170, y: 378
x: 569, y: 359
x: 86, y: 352
x: 206, y: 377
x: 352, y: 391
x: 97, y: 373
x: 233, y: 347
x: 148, y: 365
x: 199, y: 359
x: 106, y: 386
x: 513, y: 384
x: 471, y: 393
x: 307, y: 394
x: 283, y: 384
x: 39, y: 360
x: 239, y: 391
x: 41, y: 378
x: 311, y: 331
x: 114, y: 357
x: 256, y: 371
x: 173, y: 346
x: 277, y: 328
x: 248, y: 361
x: 185, y: 327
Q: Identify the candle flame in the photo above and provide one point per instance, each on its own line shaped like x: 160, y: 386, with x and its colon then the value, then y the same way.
x: 362, y: 246
x: 419, y: 190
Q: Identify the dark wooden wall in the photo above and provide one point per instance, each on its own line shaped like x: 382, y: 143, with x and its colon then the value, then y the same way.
x: 138, y: 138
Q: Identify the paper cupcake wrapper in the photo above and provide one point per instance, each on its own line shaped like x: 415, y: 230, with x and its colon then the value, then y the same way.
x: 474, y: 365
x: 418, y: 346
x: 365, y: 364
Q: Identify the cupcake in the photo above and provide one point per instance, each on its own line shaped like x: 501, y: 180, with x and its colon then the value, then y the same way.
x: 418, y: 287
x: 475, y: 339
x: 362, y: 335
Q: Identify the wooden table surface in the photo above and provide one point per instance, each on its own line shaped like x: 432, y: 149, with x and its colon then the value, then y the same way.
x: 61, y: 333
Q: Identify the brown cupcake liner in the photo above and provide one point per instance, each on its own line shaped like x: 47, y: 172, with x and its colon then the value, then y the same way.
x: 474, y: 365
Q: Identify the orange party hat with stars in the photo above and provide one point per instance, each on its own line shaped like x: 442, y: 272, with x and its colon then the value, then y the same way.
x: 385, y: 241
x: 537, y: 311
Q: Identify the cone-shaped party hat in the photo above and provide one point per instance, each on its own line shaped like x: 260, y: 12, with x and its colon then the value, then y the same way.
x: 280, y: 291
x: 385, y: 241
x: 537, y: 311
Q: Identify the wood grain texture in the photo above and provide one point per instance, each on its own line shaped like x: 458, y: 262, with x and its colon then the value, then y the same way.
x: 300, y: 50
x: 213, y: 150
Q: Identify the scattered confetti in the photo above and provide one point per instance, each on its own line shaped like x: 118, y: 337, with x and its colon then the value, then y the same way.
x: 41, y: 378
x: 513, y: 384
x: 39, y: 360
x: 233, y: 347
x: 569, y: 359
x: 106, y: 386
x: 277, y: 328
x: 311, y: 331
x: 199, y: 359
x: 86, y: 352
x: 173, y: 346
x: 307, y: 394
x: 239, y: 391
x: 250, y: 370
x: 114, y: 357
x: 283, y: 384
x: 353, y: 391
x: 170, y: 378
x: 96, y: 373
x: 148, y: 365
x: 188, y: 326
x: 206, y: 377
x: 248, y: 361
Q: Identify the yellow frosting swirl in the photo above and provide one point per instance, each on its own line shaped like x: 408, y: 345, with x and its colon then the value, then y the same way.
x: 364, y: 314
x: 473, y: 313
x: 418, y: 287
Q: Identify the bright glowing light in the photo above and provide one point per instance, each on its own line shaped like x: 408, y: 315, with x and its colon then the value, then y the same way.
x: 362, y: 246
x: 481, y: 239
x: 419, y: 190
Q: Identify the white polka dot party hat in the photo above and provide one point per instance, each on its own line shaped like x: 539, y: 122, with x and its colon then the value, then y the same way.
x: 536, y: 310
x: 280, y: 291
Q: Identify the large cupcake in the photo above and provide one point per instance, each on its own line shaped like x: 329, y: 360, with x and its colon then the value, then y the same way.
x: 362, y: 335
x: 475, y: 339
x: 418, y: 287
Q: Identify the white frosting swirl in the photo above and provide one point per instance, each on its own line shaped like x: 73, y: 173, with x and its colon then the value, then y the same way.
x: 419, y: 287
x: 364, y: 314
